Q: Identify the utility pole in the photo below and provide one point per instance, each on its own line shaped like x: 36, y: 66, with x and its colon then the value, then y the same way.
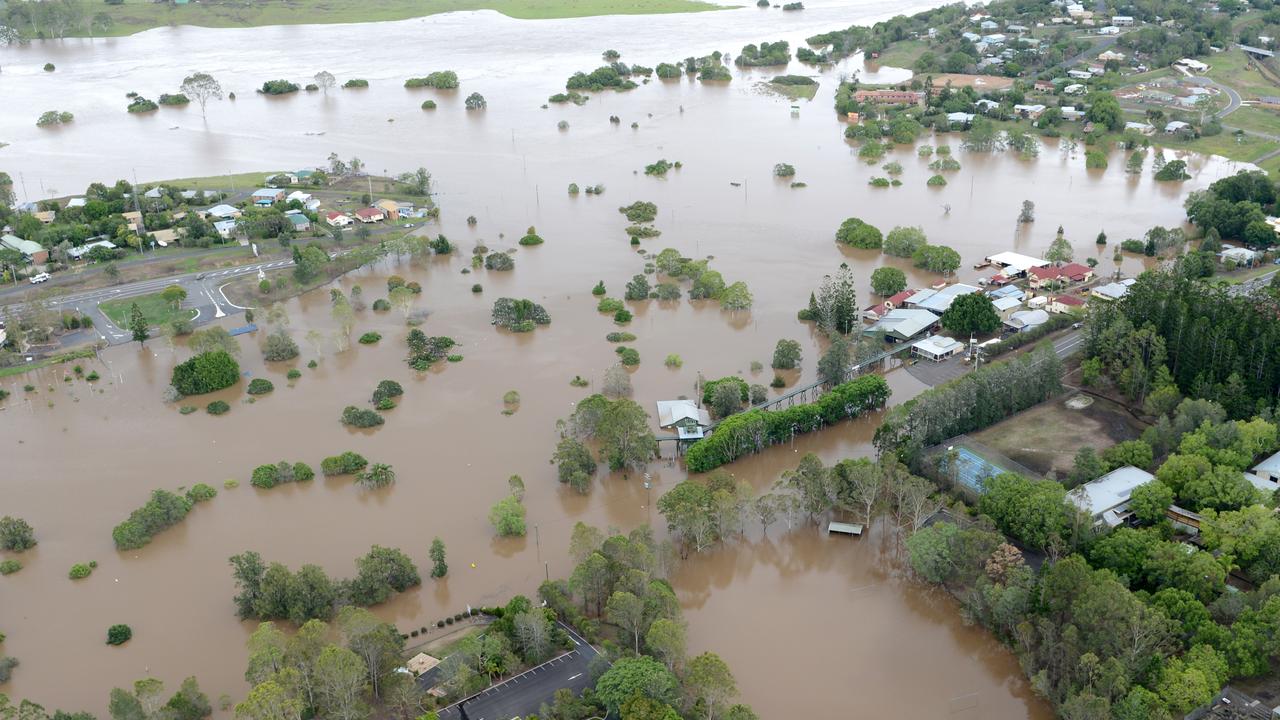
x: 137, y: 206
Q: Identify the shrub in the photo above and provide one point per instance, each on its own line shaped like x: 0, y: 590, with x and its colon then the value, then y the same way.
x: 217, y: 407
x: 385, y: 404
x: 936, y: 181
x: 440, y: 79
x: 531, y: 237
x: 856, y: 233
x: 673, y: 361
x: 778, y: 382
x: 187, y: 409
x: 230, y: 484
x: 347, y: 463
x: 370, y: 338
x: 609, y: 305
x: 356, y: 83
x: 119, y: 634
x: 278, y: 87
x: 163, y: 510
x: 140, y: 105
x: 499, y: 261
x: 475, y: 101
x: 628, y: 356
x: 783, y: 169
x: 49, y: 67
x: 579, y: 381
x: 260, y: 386
x: 454, y: 358
x: 9, y: 567
x: 428, y: 104
x: 521, y: 315
x: 205, y: 373
x: 622, y: 317
x: 361, y: 417
x: 387, y: 389
x: 177, y: 99
x: 511, y: 397
x: 477, y: 288
x: 573, y: 188
x: 79, y: 571
x: 640, y: 212
x: 293, y: 374
x: 381, y: 305
x: 200, y: 492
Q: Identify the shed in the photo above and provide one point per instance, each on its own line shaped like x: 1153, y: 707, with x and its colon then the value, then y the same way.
x: 76, y: 253
x: 689, y: 420
x: 903, y: 324
x: 854, y: 529
x: 1016, y: 263
x: 936, y: 348
x: 1025, y: 320
x: 223, y: 211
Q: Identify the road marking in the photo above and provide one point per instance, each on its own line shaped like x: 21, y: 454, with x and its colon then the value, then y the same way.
x: 575, y: 677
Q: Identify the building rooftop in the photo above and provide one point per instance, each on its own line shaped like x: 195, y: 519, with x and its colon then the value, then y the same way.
x: 938, y: 345
x: 1007, y: 302
x: 26, y: 247
x: 267, y: 192
x: 939, y: 300
x: 1107, y: 498
x: 904, y: 323
x: 222, y: 210
x: 1017, y: 261
x: 671, y: 412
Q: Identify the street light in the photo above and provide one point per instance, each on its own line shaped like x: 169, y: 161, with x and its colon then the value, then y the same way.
x: 648, y: 483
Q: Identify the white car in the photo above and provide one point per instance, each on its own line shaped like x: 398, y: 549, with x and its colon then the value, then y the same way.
x: 36, y: 279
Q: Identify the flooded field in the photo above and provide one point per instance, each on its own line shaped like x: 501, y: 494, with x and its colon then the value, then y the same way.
x: 846, y: 630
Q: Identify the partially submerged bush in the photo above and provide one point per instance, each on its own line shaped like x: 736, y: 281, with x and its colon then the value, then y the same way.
x: 360, y: 417
x: 260, y: 386
x: 347, y: 463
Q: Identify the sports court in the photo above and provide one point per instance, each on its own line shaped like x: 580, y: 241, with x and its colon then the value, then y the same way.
x: 975, y: 463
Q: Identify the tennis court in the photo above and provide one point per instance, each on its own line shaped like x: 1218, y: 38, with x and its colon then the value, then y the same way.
x: 972, y: 470
x: 975, y: 463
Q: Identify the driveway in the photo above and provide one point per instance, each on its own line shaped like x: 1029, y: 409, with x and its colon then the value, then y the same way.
x: 524, y: 694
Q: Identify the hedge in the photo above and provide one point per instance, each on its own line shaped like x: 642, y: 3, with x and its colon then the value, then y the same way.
x: 754, y: 430
x: 268, y: 476
x: 163, y: 510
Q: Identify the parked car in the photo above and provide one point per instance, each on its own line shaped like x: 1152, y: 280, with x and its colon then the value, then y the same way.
x: 35, y: 279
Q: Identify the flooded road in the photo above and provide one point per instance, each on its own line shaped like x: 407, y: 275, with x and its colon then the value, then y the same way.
x: 79, y: 458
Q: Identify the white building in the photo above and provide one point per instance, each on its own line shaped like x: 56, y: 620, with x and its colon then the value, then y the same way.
x: 1107, y: 498
x: 225, y: 228
x: 1192, y: 65
x: 1122, y: 20
x: 1174, y: 126
x: 223, y: 211
x: 1015, y: 263
x: 1112, y: 291
x: 1241, y: 256
x: 936, y: 348
x: 1025, y: 320
x: 689, y: 420
x: 903, y: 324
x: 938, y: 301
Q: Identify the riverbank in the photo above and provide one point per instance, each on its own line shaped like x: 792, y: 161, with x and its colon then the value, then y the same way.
x: 134, y: 16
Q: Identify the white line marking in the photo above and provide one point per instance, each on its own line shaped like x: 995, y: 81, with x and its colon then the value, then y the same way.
x: 575, y: 677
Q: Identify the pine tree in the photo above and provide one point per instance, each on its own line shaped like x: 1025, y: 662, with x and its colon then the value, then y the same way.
x: 138, y: 324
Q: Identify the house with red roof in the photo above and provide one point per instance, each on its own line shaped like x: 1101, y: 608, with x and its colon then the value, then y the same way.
x: 371, y: 215
x: 875, y: 312
x: 1065, y: 303
x: 1069, y: 273
x: 337, y: 219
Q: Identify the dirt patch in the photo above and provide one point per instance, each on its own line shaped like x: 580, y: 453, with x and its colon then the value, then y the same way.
x: 1047, y: 437
x: 978, y: 82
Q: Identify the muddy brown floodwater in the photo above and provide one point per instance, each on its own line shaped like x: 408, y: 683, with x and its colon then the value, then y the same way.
x: 813, y: 627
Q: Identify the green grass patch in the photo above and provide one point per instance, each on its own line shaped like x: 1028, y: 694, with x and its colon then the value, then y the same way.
x: 80, y: 354
x: 1231, y: 68
x: 794, y: 92
x: 903, y: 54
x: 154, y: 309
x: 212, y: 182
x: 1254, y: 119
x: 133, y: 16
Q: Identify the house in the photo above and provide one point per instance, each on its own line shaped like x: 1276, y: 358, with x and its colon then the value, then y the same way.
x: 1031, y: 112
x: 189, y: 194
x: 1144, y: 128
x: 1241, y: 256
x: 390, y: 208
x: 34, y: 252
x: 1192, y: 65
x: 960, y: 118
x: 223, y: 212
x: 1025, y: 320
x: 302, y: 176
x: 266, y: 197
x: 1107, y: 30
x: 1096, y: 70
x: 1005, y: 304
x: 989, y: 25
x: 888, y: 97
x: 76, y: 202
x: 1012, y: 291
x: 1074, y: 89
x: 986, y: 105
x: 1112, y: 291
x: 1174, y: 126
x: 370, y: 215
x: 1015, y: 264
x: 1122, y: 20
x: 133, y: 218
x: 936, y: 348
x: 903, y: 324
x: 300, y: 196
x: 971, y: 37
x: 301, y: 223
x: 1071, y: 272
x: 689, y: 420
x: 163, y: 238
x: 1015, y: 28
x: 1044, y: 86
x: 1107, y: 498
x: 1072, y: 114
x: 995, y: 39
x: 154, y: 193
x: 875, y: 312
x: 44, y: 216
x: 1266, y: 475
x: 1065, y: 303
x: 225, y: 228
x: 938, y: 301
x: 1080, y: 74
x: 80, y: 251
x: 1110, y: 54
x: 337, y: 219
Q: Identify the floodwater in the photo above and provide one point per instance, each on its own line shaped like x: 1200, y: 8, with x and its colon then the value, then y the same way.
x: 78, y: 458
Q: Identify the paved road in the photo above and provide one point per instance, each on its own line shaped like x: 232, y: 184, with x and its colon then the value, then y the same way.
x: 1090, y: 54
x: 524, y: 694
x: 204, y: 295
x: 1233, y: 97
x: 1249, y: 286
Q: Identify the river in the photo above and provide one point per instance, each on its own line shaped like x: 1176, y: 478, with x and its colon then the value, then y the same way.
x: 812, y: 626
